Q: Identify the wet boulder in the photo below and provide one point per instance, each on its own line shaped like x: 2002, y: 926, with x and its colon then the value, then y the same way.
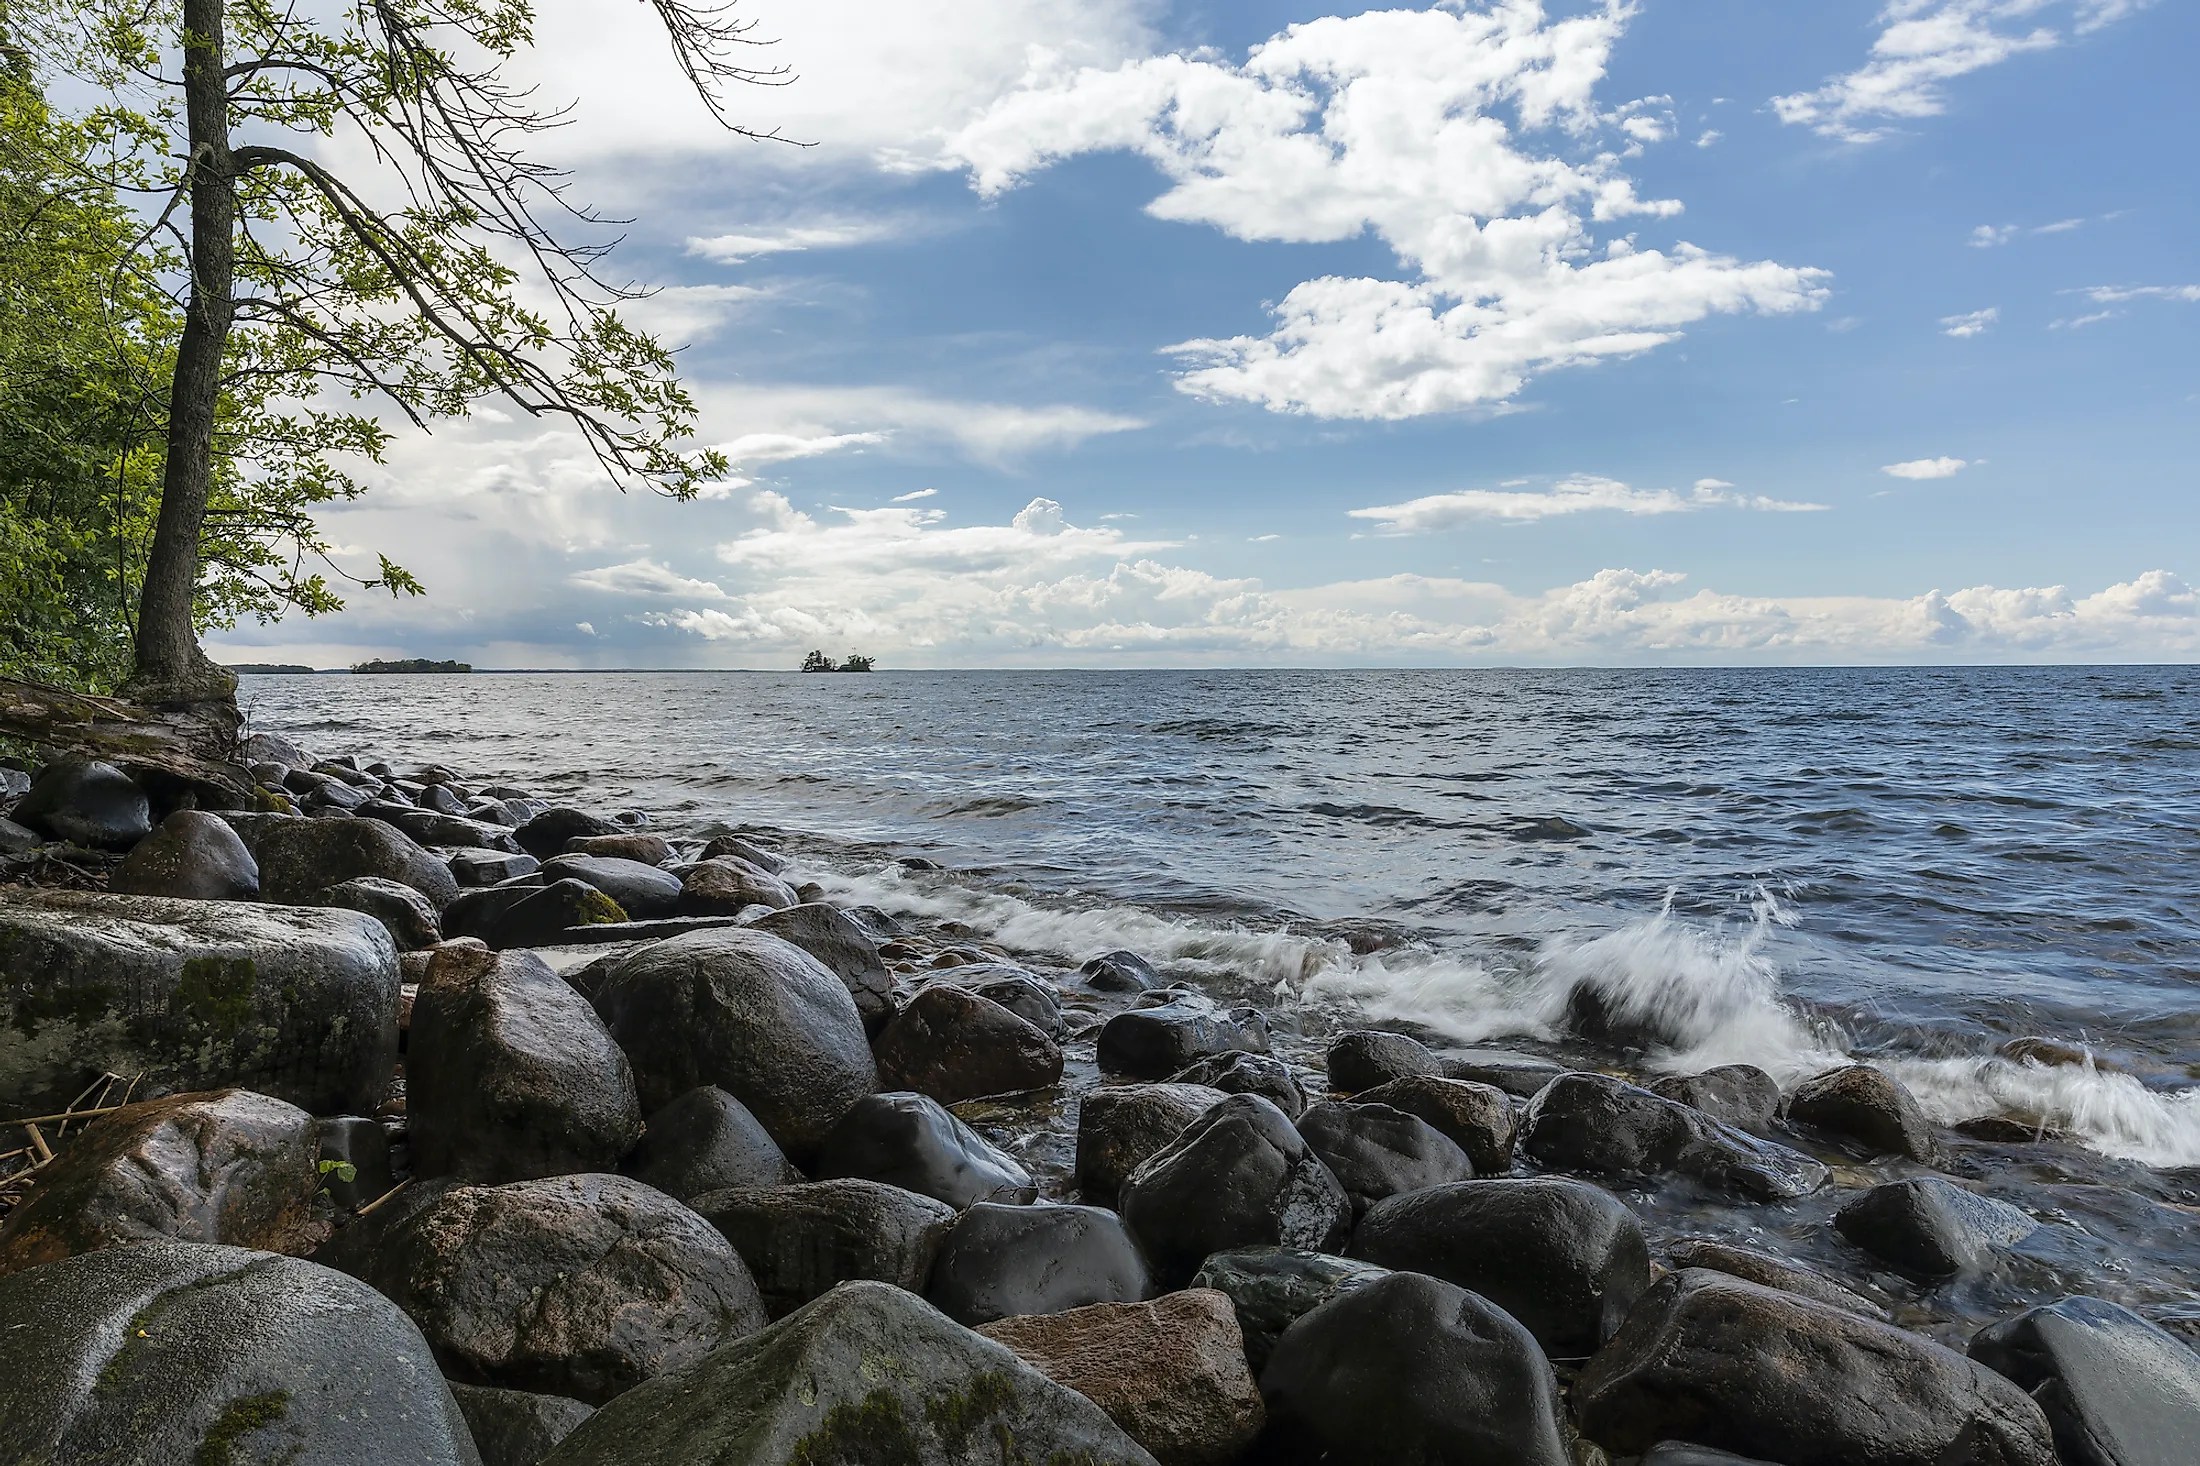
x: 549, y: 832
x: 1866, y: 1109
x: 193, y: 856
x: 477, y: 868
x: 1120, y: 1126
x: 1121, y: 972
x: 1410, y: 1368
x: 1768, y: 1271
x: 1238, y: 1176
x: 1376, y: 1152
x: 193, y: 995
x: 954, y: 1045
x: 1515, y: 1073
x: 1000, y: 1261
x: 405, y: 914
x: 1271, y: 1288
x: 16, y: 839
x: 1930, y: 1227
x: 1153, y: 1043
x: 448, y: 831
x: 801, y: 1242
x: 1367, y: 1057
x: 572, y: 1285
x: 642, y: 891
x: 911, y: 1141
x: 2117, y: 1391
x: 706, y: 1140
x: 511, y: 1074
x: 1741, y: 1095
x: 173, y: 1353
x: 740, y: 849
x: 1021, y: 993
x: 1238, y: 1072
x: 1478, y: 1118
x: 727, y: 887
x: 1604, y: 1126
x: 1566, y: 1259
x: 636, y: 846
x: 1714, y: 1360
x: 749, y: 1013
x: 843, y: 948
x: 808, y: 1392
x: 1171, y: 1372
x: 1681, y: 1453
x: 85, y: 802
x: 299, y: 859
x: 514, y: 1427
x: 531, y: 916
x: 231, y: 1166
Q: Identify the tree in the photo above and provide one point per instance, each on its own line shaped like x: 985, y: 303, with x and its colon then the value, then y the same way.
x: 306, y: 292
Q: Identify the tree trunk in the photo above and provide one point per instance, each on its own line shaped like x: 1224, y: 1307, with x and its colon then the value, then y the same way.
x: 172, y: 672
x: 137, y: 739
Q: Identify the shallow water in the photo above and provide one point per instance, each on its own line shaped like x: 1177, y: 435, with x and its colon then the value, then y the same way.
x: 1772, y: 866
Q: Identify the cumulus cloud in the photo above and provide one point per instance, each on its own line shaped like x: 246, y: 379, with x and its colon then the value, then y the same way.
x: 2119, y: 294
x: 1581, y: 494
x: 1468, y: 141
x: 1927, y: 468
x: 742, y: 246
x: 1991, y: 236
x: 1971, y: 323
x: 1924, y: 44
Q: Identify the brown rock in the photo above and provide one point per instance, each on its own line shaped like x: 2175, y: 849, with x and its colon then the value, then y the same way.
x: 1478, y: 1118
x: 1171, y: 1372
x: 648, y: 849
x: 728, y: 886
x: 954, y: 1045
x: 1119, y: 1126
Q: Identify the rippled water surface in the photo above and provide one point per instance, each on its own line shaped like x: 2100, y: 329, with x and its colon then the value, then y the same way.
x: 1771, y: 866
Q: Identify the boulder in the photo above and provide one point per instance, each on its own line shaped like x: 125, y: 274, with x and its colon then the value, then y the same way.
x: 1238, y: 1072
x: 1604, y: 1126
x: 1767, y: 1271
x: 448, y: 831
x: 572, y: 1285
x: 706, y: 1140
x: 1000, y: 1261
x: 193, y: 995
x: 1367, y: 1057
x: 1270, y: 1288
x: 910, y: 1141
x: 642, y: 891
x: 511, y: 1075
x: 1478, y: 1118
x: 749, y: 1013
x: 801, y: 1242
x: 741, y: 849
x: 513, y: 1427
x: 1866, y: 1109
x: 1375, y: 1151
x: 187, y: 1354
x: 1153, y: 1043
x: 1120, y: 1126
x: 1741, y: 1095
x: 275, y: 748
x: 645, y: 848
x: 1238, y: 1176
x: 232, y: 1167
x: 85, y: 802
x: 194, y: 856
x: 1932, y: 1228
x: 2117, y: 1391
x: 1171, y: 1372
x: 1680, y: 1453
x: 1566, y: 1259
x: 728, y: 887
x: 475, y: 868
x: 809, y: 1391
x: 844, y: 949
x: 1121, y: 972
x: 1513, y: 1072
x: 548, y: 833
x: 17, y: 840
x: 1714, y: 1360
x: 1021, y: 993
x: 531, y: 916
x: 356, y: 1164
x: 1409, y: 1368
x: 405, y: 914
x: 954, y: 1045
x: 299, y: 859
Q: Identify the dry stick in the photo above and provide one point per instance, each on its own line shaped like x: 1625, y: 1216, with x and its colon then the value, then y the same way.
x: 38, y: 1143
x: 64, y: 1116
x: 385, y: 1196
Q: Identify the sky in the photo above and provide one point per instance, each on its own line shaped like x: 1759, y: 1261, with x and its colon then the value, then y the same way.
x: 1125, y: 333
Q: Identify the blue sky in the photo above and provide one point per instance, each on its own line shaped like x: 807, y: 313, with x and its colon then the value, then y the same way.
x: 1531, y: 334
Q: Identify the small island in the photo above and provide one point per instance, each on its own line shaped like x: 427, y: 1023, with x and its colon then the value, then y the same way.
x: 412, y: 664
x: 819, y: 662
x: 271, y: 669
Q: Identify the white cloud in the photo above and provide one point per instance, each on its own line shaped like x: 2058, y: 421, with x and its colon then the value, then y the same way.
x: 1469, y: 142
x: 913, y: 495
x: 1927, y: 468
x: 741, y: 247
x: 760, y: 448
x: 1987, y: 236
x: 2119, y: 294
x: 2060, y: 226
x: 2079, y: 323
x: 1923, y: 44
x: 1581, y: 494
x: 584, y: 628
x: 1971, y: 323
x: 1709, y: 138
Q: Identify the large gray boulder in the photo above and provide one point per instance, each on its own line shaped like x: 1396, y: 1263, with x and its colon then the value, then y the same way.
x: 811, y: 1391
x: 801, y: 1242
x: 1604, y: 1126
x: 515, y: 1428
x: 1005, y: 1261
x: 1120, y: 1126
x: 955, y: 1045
x: 1711, y: 1359
x: 2117, y: 1390
x: 706, y: 1140
x: 232, y: 1167
x: 912, y: 1141
x: 86, y: 802
x: 847, y: 951
x: 754, y: 1015
x: 193, y: 995
x: 1866, y: 1109
x: 1930, y: 1227
x: 184, y: 1354
x: 193, y: 856
x: 299, y: 859
x: 643, y: 891
x: 511, y: 1074
x: 1272, y: 1288
x: 1153, y: 1043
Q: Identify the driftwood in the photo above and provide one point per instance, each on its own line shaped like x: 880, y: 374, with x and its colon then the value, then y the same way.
x: 181, y: 745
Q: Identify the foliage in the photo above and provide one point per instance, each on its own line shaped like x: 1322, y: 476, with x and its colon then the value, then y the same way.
x: 412, y: 664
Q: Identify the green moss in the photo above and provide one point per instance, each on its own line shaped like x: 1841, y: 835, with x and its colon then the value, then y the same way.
x: 958, y: 1415
x: 41, y: 1003
x: 599, y: 910
x: 216, y: 993
x: 872, y: 1431
x: 239, y: 1420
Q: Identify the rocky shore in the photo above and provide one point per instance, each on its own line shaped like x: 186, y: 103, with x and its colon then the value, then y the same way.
x: 403, y: 1119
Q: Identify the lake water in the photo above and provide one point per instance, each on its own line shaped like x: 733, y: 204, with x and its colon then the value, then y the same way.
x: 1772, y: 866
